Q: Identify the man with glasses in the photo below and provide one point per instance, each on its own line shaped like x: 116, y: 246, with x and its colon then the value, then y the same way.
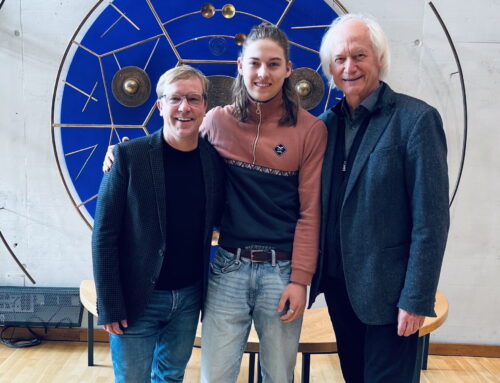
x: 152, y: 235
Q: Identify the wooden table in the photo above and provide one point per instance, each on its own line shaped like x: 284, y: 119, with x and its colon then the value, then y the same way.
x: 424, y: 334
x: 317, y: 336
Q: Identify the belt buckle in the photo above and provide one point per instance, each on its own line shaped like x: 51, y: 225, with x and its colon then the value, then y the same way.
x: 255, y: 251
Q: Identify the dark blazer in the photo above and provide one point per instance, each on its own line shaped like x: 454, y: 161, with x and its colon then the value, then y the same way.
x: 128, y: 240
x: 394, y: 218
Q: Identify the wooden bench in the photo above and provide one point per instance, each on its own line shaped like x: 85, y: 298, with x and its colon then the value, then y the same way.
x: 317, y: 336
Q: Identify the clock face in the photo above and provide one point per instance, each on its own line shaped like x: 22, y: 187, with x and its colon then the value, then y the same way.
x: 90, y: 110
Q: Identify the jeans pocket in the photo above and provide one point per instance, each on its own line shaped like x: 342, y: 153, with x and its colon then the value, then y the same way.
x: 219, y: 261
x: 217, y: 269
x: 233, y: 266
x: 224, y: 263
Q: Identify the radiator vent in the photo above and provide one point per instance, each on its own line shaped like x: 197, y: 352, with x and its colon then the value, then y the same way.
x: 49, y: 307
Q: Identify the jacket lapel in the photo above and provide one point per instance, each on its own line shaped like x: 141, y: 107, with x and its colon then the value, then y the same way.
x: 158, y: 175
x: 381, y: 117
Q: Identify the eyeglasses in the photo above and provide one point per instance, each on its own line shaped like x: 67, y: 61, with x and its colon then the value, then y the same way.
x: 193, y: 99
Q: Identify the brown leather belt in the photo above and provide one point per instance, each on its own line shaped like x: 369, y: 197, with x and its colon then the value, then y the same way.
x: 256, y: 255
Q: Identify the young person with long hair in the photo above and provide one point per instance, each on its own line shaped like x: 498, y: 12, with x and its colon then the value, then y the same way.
x: 268, y: 242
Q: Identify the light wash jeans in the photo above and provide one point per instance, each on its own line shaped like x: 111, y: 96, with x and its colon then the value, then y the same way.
x: 240, y: 291
x: 158, y: 345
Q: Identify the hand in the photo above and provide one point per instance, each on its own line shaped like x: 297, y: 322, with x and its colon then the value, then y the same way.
x: 409, y: 323
x: 114, y: 328
x: 110, y: 157
x: 295, y: 294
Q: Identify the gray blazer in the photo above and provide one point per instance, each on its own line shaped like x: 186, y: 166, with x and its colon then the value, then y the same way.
x: 394, y: 217
x: 128, y: 240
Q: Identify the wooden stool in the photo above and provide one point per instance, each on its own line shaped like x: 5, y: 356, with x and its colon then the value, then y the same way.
x: 317, y: 336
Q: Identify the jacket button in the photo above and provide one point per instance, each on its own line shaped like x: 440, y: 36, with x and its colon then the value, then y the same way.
x: 153, y: 281
x: 161, y: 252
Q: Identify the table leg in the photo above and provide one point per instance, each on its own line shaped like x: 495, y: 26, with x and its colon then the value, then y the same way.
x: 426, y: 351
x: 259, y: 372
x: 306, y: 367
x: 419, y: 359
x: 251, y: 367
x: 90, y: 339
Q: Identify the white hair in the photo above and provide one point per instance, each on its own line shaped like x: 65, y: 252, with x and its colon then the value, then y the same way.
x: 378, y: 38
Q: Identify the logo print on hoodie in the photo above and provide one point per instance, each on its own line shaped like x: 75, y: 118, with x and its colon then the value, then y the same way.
x: 280, y: 149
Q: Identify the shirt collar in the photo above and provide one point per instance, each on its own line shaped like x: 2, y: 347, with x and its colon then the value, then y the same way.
x: 268, y: 109
x: 368, y: 103
x: 371, y: 100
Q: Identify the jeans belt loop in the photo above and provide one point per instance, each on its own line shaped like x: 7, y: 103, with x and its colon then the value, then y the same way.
x: 273, y: 258
x: 238, y: 256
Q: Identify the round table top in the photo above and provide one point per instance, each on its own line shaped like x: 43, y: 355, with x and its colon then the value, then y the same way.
x: 317, y: 333
x: 88, y: 296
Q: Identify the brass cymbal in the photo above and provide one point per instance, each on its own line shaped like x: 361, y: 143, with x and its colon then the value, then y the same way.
x: 131, y: 86
x: 228, y: 11
x: 309, y: 86
x: 240, y: 38
x: 219, y: 90
x: 207, y: 10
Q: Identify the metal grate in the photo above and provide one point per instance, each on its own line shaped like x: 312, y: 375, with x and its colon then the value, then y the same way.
x: 53, y: 307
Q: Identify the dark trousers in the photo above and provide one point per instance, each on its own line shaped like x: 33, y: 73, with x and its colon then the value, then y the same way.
x: 368, y: 353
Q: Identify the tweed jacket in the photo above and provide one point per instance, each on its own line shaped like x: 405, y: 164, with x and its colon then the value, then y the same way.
x: 394, y: 217
x: 128, y: 240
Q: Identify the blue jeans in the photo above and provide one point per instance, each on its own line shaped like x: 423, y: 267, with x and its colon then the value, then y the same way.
x: 240, y: 291
x: 158, y: 345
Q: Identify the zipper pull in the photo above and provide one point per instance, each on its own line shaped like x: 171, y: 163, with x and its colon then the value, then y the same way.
x: 344, y: 166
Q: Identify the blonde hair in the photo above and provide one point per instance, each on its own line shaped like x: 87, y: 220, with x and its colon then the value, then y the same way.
x: 180, y: 73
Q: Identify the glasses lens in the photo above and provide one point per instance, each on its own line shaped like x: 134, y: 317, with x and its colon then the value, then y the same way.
x: 174, y: 99
x: 193, y: 99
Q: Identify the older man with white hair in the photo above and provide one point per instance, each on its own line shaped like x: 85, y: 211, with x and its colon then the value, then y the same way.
x: 385, y: 213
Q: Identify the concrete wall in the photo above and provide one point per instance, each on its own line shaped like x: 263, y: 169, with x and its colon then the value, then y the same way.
x: 47, y: 234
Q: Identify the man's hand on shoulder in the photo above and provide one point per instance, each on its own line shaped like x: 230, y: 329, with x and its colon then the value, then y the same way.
x: 110, y: 157
x: 114, y: 327
x: 409, y: 323
x: 295, y: 294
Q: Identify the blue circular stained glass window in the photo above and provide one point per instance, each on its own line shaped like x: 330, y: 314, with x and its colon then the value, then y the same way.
x: 155, y: 35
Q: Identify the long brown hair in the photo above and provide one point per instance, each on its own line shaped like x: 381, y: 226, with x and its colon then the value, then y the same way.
x: 290, y: 97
